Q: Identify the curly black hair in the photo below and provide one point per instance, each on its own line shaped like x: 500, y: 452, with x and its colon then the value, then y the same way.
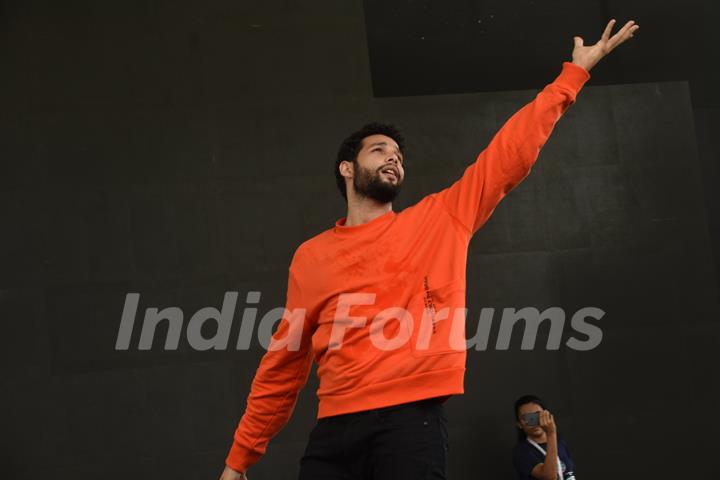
x: 352, y: 145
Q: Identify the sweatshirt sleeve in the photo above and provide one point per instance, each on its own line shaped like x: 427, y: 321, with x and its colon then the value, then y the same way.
x: 508, y: 158
x: 282, y: 373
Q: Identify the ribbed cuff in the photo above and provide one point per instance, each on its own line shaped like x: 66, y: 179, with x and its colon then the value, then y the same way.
x: 572, y: 77
x: 240, y: 458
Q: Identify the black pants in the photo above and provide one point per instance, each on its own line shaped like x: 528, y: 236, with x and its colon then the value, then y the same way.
x: 408, y: 441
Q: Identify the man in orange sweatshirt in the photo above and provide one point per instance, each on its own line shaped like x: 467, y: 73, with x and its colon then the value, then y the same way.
x: 378, y: 301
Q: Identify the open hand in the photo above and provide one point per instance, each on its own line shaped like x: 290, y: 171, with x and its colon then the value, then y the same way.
x: 588, y: 56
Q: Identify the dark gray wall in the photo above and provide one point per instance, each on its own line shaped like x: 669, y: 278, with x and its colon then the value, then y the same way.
x: 181, y: 151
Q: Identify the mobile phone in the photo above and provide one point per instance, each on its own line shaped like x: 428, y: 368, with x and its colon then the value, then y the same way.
x: 532, y: 419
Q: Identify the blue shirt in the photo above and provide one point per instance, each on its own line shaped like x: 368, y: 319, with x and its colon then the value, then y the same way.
x: 526, y: 456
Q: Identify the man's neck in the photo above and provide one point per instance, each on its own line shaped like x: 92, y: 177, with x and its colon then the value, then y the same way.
x: 542, y: 438
x: 362, y: 210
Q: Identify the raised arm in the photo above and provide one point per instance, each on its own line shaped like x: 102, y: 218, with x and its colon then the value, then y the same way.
x: 283, y: 372
x: 548, y: 470
x: 508, y: 158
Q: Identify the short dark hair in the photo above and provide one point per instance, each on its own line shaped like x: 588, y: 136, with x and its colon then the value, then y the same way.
x: 351, y: 146
x: 524, y: 400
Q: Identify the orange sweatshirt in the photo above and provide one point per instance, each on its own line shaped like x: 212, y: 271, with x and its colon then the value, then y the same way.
x: 396, y: 337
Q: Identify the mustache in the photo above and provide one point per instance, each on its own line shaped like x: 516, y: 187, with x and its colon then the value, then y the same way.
x: 394, y: 169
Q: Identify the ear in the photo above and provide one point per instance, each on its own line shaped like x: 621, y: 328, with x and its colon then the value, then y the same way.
x: 519, y: 425
x: 346, y: 169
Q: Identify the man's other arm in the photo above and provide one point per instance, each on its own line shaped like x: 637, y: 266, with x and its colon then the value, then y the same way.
x: 282, y: 373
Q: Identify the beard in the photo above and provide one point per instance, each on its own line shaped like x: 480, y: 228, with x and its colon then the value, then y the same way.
x: 370, y: 184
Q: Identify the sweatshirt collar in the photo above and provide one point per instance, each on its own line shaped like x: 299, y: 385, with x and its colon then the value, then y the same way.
x: 342, y: 229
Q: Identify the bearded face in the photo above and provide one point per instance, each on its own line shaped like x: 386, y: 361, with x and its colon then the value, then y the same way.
x: 378, y: 169
x: 382, y: 184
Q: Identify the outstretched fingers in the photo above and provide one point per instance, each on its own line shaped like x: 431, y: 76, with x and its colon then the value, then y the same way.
x: 623, y: 34
x: 608, y: 29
